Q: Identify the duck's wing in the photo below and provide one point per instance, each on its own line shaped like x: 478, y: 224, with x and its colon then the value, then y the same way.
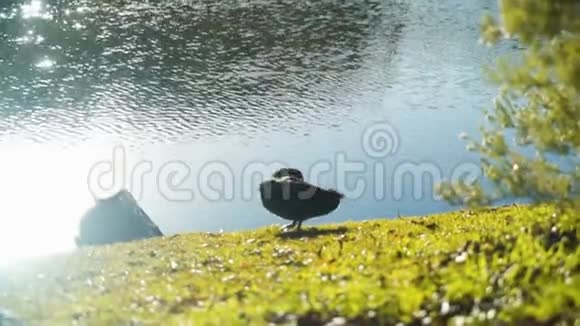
x: 287, y: 189
x: 303, y: 190
x: 297, y: 200
x: 311, y: 201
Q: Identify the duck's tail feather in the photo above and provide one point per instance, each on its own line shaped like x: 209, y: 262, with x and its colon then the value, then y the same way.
x: 340, y: 195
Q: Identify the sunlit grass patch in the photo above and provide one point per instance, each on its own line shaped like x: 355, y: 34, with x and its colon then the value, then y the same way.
x: 512, y: 264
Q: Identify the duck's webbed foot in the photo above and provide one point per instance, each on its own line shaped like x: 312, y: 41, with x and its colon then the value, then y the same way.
x: 288, y: 226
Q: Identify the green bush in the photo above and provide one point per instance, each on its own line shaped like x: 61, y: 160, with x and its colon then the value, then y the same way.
x: 530, y: 141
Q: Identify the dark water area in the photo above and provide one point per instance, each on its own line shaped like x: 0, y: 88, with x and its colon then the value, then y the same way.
x: 194, y: 102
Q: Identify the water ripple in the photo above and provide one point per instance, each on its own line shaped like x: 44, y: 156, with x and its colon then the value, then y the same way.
x: 164, y: 71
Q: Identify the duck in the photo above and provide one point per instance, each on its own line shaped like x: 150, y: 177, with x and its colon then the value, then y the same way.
x: 288, y: 196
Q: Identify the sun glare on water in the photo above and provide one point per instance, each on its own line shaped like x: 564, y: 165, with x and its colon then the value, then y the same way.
x: 43, y: 194
x: 34, y: 9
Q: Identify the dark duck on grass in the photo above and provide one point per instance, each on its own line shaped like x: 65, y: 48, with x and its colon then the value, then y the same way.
x: 290, y: 197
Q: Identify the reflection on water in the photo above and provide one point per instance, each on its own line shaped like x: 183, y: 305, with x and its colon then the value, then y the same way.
x: 237, y: 83
x: 165, y: 71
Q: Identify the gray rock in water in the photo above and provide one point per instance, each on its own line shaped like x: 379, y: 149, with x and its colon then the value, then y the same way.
x: 115, y: 219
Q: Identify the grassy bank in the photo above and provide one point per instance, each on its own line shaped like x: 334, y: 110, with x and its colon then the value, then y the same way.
x: 514, y: 264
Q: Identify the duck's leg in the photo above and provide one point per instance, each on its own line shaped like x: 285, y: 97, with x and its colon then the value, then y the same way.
x: 299, y: 226
x: 288, y: 226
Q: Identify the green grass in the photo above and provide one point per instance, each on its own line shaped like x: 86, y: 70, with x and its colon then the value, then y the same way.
x: 517, y: 264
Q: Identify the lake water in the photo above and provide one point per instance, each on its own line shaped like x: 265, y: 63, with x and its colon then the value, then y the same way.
x: 194, y: 102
